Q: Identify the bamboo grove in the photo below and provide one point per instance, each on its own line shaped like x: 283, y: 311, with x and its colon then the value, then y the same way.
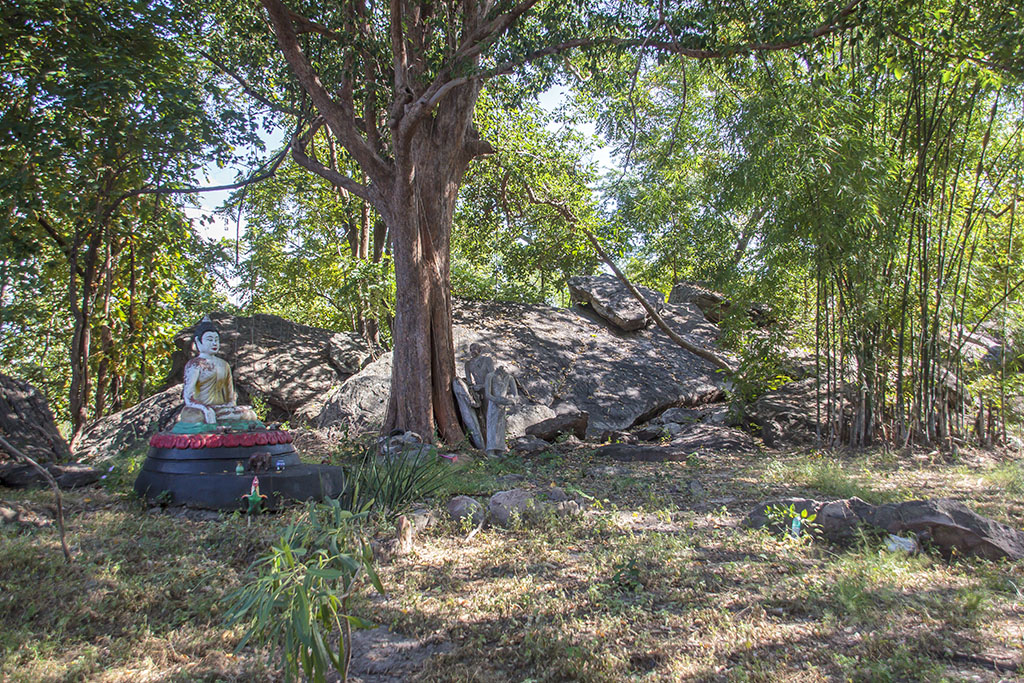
x: 877, y: 183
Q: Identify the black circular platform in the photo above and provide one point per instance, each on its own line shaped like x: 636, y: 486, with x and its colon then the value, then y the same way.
x: 205, y: 476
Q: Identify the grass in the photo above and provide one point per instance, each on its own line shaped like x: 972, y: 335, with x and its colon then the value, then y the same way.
x: 653, y: 583
x: 1009, y: 476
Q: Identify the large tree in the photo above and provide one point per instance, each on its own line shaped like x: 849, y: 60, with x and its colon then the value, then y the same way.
x: 397, y: 85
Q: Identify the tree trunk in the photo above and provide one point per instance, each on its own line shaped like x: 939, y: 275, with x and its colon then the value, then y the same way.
x: 419, y: 219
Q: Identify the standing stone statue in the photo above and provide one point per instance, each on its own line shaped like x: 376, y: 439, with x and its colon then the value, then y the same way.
x: 468, y: 404
x: 499, y: 391
x: 477, y: 368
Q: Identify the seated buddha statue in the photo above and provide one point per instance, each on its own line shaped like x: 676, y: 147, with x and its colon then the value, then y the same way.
x: 209, y: 392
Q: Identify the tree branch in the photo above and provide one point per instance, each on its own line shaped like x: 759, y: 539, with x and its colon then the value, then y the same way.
x: 673, y: 47
x: 59, y: 239
x: 338, y: 117
x: 248, y: 89
x: 570, y: 218
x: 269, y: 173
x: 339, y: 179
x: 53, y: 485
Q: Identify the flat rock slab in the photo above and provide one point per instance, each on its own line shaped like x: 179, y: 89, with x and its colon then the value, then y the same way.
x: 946, y: 523
x: 563, y: 360
x: 630, y: 452
x: 567, y: 423
x: 698, y: 439
x: 713, y: 437
x: 611, y: 300
x: 70, y: 476
x: 380, y: 656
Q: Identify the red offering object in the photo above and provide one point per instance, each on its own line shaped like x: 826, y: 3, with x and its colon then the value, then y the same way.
x: 215, y: 441
x: 231, y: 440
x: 262, y: 438
x: 248, y: 440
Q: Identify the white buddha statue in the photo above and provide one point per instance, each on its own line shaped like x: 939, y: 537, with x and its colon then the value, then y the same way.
x: 209, y: 392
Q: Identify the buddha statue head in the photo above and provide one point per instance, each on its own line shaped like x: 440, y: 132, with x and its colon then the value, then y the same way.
x: 206, y: 336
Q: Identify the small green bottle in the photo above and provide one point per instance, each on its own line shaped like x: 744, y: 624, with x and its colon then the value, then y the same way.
x: 239, y: 468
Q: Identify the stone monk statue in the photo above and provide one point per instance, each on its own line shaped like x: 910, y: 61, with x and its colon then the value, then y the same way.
x: 477, y: 368
x: 500, y: 391
x: 209, y: 392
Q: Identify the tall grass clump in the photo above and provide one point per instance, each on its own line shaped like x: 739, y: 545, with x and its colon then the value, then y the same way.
x: 389, y: 484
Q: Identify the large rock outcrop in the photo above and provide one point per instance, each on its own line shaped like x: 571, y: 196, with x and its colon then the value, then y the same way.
x: 564, y: 360
x: 291, y: 366
x: 132, y: 427
x: 787, y: 415
x: 27, y: 423
x: 715, y: 304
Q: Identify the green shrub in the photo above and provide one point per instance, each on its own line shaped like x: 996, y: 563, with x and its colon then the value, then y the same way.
x: 300, y: 595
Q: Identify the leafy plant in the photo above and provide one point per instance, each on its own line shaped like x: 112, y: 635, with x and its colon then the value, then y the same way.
x: 300, y: 595
x: 627, y: 576
x: 795, y: 521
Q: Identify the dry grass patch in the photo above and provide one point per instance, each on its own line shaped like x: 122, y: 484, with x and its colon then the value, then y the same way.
x: 655, y: 582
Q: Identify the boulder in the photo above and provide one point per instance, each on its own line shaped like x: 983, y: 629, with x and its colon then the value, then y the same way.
x: 529, y: 445
x: 610, y: 299
x: 464, y: 509
x: 786, y: 415
x: 523, y: 415
x: 563, y: 361
x: 679, y: 416
x: 360, y: 402
x: 703, y: 438
x: 506, y: 506
x: 948, y: 524
x: 629, y: 452
x: 574, y: 422
x: 291, y: 366
x: 132, y: 427
x: 713, y: 438
x: 27, y: 423
x: 711, y: 303
x: 422, y: 519
x: 714, y: 304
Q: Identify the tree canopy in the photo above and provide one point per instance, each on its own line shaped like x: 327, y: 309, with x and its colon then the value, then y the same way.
x: 853, y: 164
